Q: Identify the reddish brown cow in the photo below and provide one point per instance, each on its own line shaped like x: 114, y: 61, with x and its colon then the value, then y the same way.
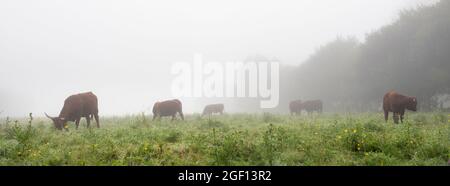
x: 213, y: 108
x: 397, y: 103
x: 295, y: 107
x: 311, y: 106
x: 168, y: 108
x: 75, y: 107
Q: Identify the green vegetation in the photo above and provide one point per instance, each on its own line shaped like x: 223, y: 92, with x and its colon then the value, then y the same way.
x: 238, y: 139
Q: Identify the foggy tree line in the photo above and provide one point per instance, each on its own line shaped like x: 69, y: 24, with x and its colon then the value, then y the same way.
x: 411, y: 56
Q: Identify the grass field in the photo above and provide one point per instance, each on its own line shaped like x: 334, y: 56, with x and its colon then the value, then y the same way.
x: 235, y: 139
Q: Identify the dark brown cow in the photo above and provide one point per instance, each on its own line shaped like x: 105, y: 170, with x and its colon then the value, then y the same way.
x: 311, y: 106
x: 75, y: 107
x: 213, y: 108
x: 397, y: 103
x: 295, y: 107
x: 168, y: 108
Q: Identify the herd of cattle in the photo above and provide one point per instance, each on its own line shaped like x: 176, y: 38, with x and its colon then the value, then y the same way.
x: 86, y: 105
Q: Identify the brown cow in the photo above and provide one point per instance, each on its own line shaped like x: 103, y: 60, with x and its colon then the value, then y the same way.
x: 168, y: 108
x: 213, y: 108
x: 311, y: 106
x: 75, y: 107
x: 295, y: 107
x: 397, y: 103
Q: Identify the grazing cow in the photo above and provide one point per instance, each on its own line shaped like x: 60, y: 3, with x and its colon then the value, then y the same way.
x: 295, y: 107
x: 168, y: 108
x: 213, y: 108
x: 397, y: 103
x: 311, y: 106
x: 75, y: 107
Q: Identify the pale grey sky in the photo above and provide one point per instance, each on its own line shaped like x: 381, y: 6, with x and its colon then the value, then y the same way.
x: 122, y: 50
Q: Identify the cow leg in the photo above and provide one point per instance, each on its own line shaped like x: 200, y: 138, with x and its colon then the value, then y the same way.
x: 77, y: 123
x: 386, y: 115
x: 88, y: 121
x: 401, y: 115
x: 156, y: 116
x: 97, y: 120
x: 396, y: 117
x: 173, y: 116
x: 181, y: 114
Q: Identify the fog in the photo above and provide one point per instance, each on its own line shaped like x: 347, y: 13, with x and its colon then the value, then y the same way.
x: 123, y: 50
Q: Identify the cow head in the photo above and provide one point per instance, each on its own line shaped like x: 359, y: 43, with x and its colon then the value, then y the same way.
x: 412, y: 104
x: 58, y: 122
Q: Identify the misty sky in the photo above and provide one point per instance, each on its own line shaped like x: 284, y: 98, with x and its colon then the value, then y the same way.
x: 123, y: 50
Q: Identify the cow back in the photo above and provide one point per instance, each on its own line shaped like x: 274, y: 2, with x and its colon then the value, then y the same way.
x: 79, y: 105
x: 295, y: 106
x: 313, y: 105
x: 393, y: 102
x: 213, y: 108
x: 167, y: 108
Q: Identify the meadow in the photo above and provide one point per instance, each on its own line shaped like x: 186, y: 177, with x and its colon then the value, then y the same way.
x: 232, y: 139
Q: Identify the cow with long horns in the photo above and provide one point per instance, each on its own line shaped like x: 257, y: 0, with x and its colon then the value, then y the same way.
x: 75, y: 107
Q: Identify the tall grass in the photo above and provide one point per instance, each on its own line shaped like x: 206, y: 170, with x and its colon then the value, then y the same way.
x: 239, y: 139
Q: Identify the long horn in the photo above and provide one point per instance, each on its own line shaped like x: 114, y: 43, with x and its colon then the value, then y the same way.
x: 47, y: 115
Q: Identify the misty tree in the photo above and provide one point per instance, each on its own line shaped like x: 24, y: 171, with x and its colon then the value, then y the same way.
x: 411, y: 56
